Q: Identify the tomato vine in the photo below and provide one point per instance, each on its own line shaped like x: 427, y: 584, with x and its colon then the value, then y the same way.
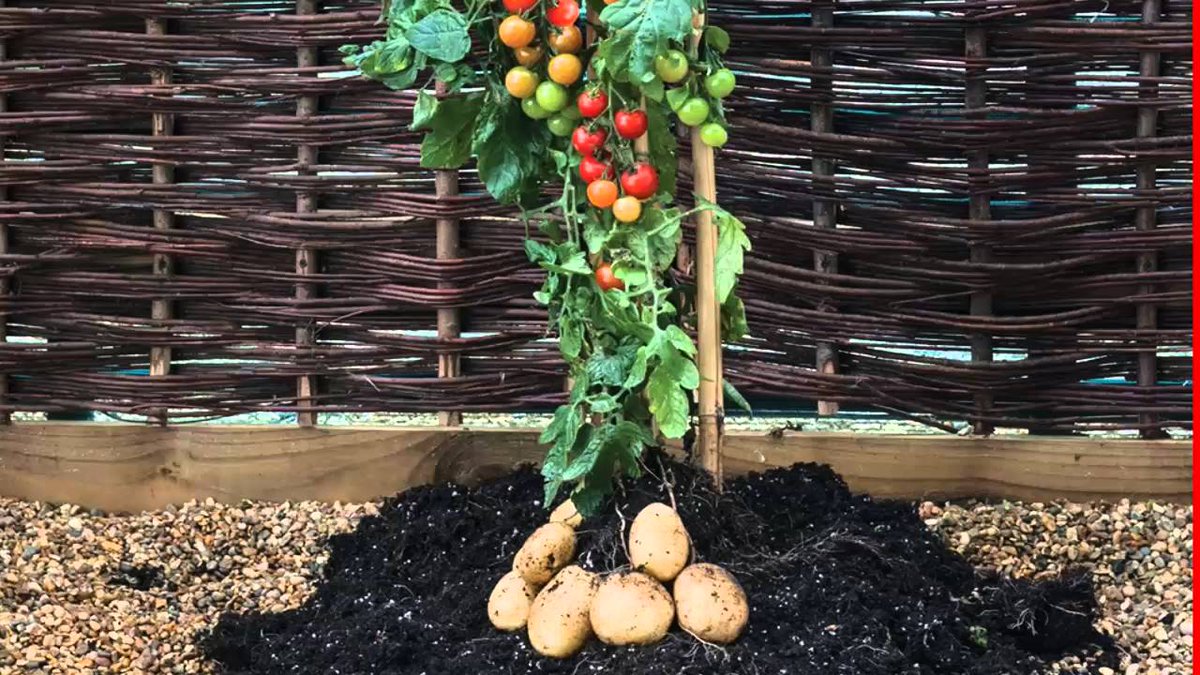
x: 533, y: 106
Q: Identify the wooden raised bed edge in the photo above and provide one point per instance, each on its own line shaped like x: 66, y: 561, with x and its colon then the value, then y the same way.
x: 133, y: 468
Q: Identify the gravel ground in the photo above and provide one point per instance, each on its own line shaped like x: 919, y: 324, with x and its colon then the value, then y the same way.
x: 85, y: 593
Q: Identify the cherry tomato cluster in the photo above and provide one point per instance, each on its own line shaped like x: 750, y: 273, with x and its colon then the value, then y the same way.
x: 544, y: 87
x: 672, y: 68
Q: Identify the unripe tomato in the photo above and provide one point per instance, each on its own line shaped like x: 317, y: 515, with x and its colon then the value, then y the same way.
x: 516, y: 32
x: 560, y: 125
x: 627, y: 209
x: 533, y: 110
x: 592, y: 169
x: 588, y: 142
x: 602, y: 193
x: 592, y: 103
x: 606, y: 280
x: 551, y: 96
x: 528, y: 56
x: 693, y: 112
x: 714, y: 135
x: 565, y: 13
x: 566, y: 40
x: 672, y: 66
x: 565, y: 69
x: 640, y: 182
x: 521, y: 82
x: 630, y: 124
x: 721, y: 83
x: 519, y: 6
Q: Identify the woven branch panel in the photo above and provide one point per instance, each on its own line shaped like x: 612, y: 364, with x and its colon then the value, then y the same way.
x: 971, y: 211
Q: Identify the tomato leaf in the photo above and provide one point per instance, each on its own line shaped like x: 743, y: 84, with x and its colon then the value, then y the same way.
x: 732, y: 243
x: 570, y: 337
x: 447, y: 145
x: 732, y: 395
x: 637, y: 371
x: 678, y: 96
x: 663, y: 147
x: 441, y: 35
x: 733, y: 320
x: 582, y: 464
x: 610, y: 369
x: 668, y: 403
x: 652, y: 25
x: 510, y: 148
x: 681, y: 340
x: 717, y: 38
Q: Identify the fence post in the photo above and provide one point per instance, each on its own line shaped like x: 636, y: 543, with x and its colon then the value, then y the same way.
x: 306, y: 258
x: 161, y: 309
x: 1147, y: 219
x: 824, y: 210
x: 980, y: 210
x: 708, y: 313
x: 5, y: 284
x: 449, y: 319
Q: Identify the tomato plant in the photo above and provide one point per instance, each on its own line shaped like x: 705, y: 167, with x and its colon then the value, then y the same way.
x: 578, y: 121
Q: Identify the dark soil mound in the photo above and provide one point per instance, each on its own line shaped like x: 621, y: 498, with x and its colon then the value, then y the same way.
x: 837, y: 584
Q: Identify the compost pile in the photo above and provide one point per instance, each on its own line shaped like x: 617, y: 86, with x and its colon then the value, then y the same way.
x: 837, y: 583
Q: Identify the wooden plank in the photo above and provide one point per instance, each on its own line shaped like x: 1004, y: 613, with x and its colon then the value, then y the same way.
x: 131, y: 468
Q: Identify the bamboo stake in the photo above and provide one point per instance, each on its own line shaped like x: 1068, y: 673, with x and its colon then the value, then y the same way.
x: 306, y: 258
x: 708, y: 314
x: 449, y: 321
x: 161, y: 309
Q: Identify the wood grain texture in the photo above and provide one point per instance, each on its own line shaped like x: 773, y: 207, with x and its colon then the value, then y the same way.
x: 132, y: 468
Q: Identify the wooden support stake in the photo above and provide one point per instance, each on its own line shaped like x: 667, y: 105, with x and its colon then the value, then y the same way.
x: 1146, y: 219
x: 161, y: 309
x: 449, y: 320
x: 306, y: 202
x: 824, y: 210
x: 708, y: 313
x: 980, y: 210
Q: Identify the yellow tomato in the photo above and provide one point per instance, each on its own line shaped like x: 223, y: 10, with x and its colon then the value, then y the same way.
x: 521, y: 82
x: 565, y: 69
x: 516, y: 32
x: 528, y: 56
x: 627, y: 209
x: 566, y: 40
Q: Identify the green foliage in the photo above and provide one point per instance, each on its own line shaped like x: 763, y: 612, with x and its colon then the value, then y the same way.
x: 631, y: 361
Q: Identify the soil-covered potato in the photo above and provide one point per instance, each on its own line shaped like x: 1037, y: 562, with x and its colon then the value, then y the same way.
x: 508, y: 606
x: 658, y: 542
x: 631, y: 608
x: 547, y: 551
x: 558, y: 620
x: 711, y: 604
x: 567, y: 514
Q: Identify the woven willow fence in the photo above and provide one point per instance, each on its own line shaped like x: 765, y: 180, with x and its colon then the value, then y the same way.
x: 970, y: 211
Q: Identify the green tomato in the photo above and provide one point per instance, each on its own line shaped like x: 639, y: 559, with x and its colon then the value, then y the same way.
x: 693, y: 112
x: 561, y: 125
x: 551, y: 96
x: 721, y: 83
x: 714, y: 135
x: 572, y: 113
x: 672, y: 66
x: 533, y: 110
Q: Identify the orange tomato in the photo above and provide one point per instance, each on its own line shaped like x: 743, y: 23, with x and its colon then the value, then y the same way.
x: 602, y: 193
x: 521, y: 82
x: 566, y: 40
x: 516, y: 32
x: 565, y: 69
x: 529, y: 55
x: 627, y: 209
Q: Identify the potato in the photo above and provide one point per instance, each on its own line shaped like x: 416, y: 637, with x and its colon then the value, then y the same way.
x: 658, y: 543
x: 711, y: 604
x: 631, y: 608
x: 558, y: 620
x: 508, y: 606
x: 567, y: 514
x: 547, y: 551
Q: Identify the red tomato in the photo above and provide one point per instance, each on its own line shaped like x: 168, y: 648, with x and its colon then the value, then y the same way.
x: 565, y: 13
x: 518, y: 6
x: 592, y: 169
x: 630, y: 124
x: 641, y: 181
x: 588, y: 142
x: 606, y: 280
x: 592, y: 103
